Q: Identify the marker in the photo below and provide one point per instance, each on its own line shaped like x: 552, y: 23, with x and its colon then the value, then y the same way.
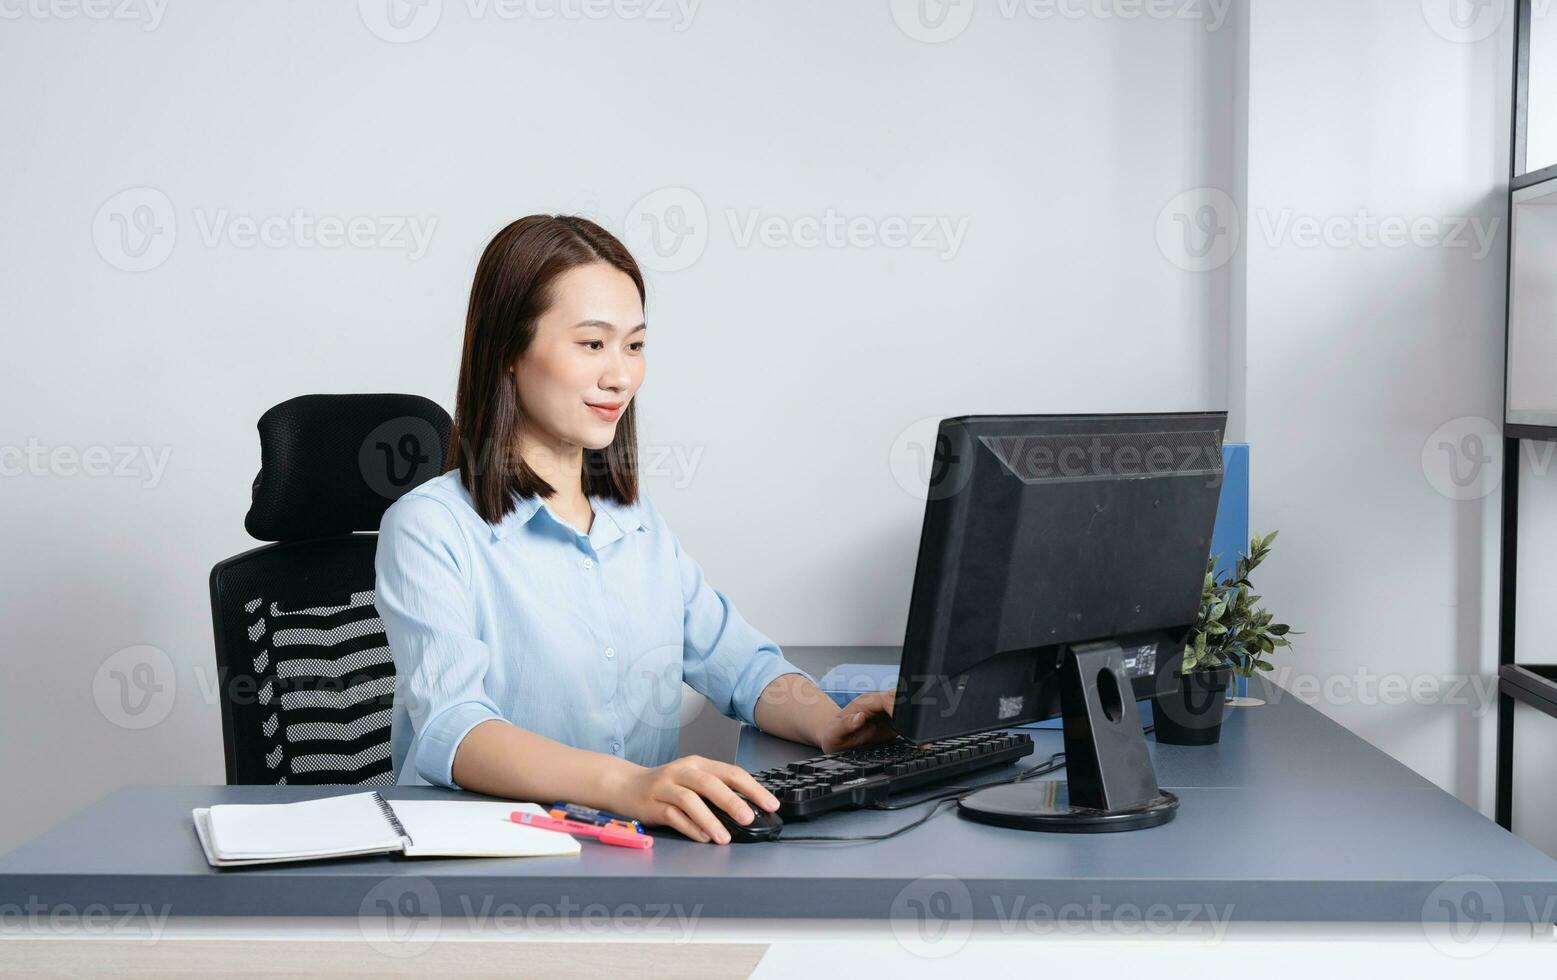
x: 606, y: 835
x: 590, y: 815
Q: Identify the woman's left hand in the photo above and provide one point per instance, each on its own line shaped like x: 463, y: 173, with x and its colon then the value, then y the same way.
x: 866, y: 719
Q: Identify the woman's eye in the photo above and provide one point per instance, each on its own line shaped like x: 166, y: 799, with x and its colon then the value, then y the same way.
x: 637, y: 346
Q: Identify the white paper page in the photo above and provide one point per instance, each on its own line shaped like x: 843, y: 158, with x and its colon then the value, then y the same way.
x: 202, y: 818
x: 459, y: 828
x: 351, y: 824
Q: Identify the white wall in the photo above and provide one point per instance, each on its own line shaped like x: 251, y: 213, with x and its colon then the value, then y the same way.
x: 791, y: 375
x: 1373, y: 365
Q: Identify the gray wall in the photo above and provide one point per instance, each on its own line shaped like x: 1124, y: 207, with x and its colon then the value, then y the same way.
x: 153, y: 311
x: 1374, y: 364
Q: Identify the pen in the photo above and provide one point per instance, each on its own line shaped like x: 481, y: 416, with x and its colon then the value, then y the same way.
x: 606, y: 834
x: 590, y: 815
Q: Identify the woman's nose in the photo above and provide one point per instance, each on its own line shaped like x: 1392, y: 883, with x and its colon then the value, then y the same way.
x: 617, y: 377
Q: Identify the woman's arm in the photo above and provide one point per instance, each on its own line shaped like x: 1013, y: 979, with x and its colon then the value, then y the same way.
x: 794, y: 708
x: 680, y: 793
x: 500, y: 759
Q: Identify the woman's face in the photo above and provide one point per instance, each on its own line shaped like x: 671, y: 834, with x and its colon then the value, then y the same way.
x: 587, y: 352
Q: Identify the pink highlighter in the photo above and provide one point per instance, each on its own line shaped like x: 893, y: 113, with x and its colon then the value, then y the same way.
x: 618, y: 836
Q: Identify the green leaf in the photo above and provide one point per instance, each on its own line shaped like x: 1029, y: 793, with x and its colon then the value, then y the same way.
x: 1233, y: 631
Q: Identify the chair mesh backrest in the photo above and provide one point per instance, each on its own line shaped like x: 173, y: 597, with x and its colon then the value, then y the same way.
x: 307, y: 679
x: 307, y: 676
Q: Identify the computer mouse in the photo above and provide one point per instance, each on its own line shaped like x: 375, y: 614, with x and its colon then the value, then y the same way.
x: 764, y: 826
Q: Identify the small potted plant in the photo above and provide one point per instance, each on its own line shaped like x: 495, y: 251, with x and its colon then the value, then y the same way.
x: 1233, y: 636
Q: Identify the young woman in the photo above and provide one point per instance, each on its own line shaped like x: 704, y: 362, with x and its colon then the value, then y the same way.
x: 542, y: 615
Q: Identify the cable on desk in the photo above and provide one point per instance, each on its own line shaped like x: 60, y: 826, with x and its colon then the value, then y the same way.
x: 940, y: 800
x: 1054, y: 763
x: 782, y: 838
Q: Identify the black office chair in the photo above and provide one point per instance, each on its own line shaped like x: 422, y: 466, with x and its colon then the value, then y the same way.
x: 306, y: 678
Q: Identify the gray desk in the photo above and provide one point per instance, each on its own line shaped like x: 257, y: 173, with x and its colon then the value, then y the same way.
x: 1290, y: 818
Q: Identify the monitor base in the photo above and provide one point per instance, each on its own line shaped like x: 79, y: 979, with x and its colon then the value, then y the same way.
x: 1044, y: 805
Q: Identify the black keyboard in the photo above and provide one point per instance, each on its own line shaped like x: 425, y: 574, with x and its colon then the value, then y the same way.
x: 861, y: 777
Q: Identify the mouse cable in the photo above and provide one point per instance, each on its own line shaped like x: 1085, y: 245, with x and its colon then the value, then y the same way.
x: 952, y: 795
x: 823, y: 838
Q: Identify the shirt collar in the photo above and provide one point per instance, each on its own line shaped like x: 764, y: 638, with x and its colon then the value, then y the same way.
x: 626, y: 517
x: 524, y: 509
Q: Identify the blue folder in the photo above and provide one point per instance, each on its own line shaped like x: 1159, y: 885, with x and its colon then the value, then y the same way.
x: 1229, y: 539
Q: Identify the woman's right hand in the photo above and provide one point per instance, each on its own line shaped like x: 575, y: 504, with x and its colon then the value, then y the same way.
x: 680, y: 793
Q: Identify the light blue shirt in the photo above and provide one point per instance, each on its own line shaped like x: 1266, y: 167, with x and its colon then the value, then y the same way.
x: 585, y: 639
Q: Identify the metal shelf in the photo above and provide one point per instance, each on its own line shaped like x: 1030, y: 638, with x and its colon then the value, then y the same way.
x: 1532, y: 684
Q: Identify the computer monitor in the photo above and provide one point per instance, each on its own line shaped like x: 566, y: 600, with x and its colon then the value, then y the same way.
x: 1049, y: 535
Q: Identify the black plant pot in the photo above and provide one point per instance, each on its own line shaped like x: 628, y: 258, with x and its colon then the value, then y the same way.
x: 1187, y: 708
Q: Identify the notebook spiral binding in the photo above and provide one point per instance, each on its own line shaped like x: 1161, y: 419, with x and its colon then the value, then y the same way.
x: 394, y: 821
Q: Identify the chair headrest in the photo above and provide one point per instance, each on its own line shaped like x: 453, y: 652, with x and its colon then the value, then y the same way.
x: 332, y: 464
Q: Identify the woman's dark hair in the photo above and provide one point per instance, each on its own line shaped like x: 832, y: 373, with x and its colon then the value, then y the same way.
x: 512, y: 288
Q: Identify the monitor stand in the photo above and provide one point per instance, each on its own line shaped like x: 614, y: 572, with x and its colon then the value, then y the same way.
x: 1110, y: 784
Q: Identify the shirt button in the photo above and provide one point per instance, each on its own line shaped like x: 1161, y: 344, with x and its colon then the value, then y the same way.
x: 589, y: 563
x: 616, y: 746
x: 610, y: 652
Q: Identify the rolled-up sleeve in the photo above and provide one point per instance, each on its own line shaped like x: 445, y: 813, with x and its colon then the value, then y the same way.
x: 724, y: 657
x: 423, y: 596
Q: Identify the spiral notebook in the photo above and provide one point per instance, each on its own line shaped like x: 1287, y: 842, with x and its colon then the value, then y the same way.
x: 365, y: 823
